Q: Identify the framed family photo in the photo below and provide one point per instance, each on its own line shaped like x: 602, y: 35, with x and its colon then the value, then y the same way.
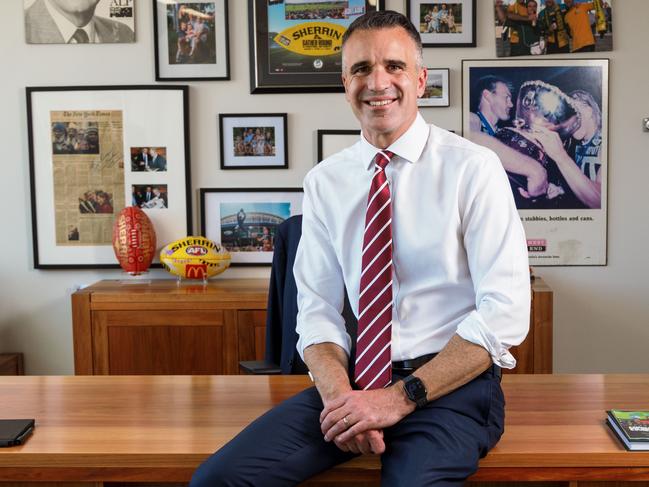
x: 253, y: 141
x: 56, y: 22
x: 444, y: 24
x: 295, y: 45
x: 191, y: 40
x: 332, y: 141
x: 436, y: 93
x: 90, y: 156
x: 244, y: 221
x: 539, y: 27
x: 547, y: 120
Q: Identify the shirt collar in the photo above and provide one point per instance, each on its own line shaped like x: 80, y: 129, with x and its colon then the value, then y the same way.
x: 409, y: 146
x: 67, y: 28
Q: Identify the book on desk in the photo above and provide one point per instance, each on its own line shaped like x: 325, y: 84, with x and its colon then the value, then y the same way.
x: 631, y: 427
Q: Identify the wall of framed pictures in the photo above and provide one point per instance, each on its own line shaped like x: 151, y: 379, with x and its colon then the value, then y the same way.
x: 35, y: 314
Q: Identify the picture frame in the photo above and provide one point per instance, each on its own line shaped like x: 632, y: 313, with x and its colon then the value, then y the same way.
x: 244, y: 220
x: 253, y: 140
x: 81, y: 168
x: 280, y: 64
x: 556, y: 118
x: 108, y: 22
x: 454, y: 28
x: 548, y: 31
x: 332, y: 141
x: 191, y: 40
x: 437, y: 92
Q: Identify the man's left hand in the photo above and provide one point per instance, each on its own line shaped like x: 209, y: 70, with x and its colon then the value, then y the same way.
x: 357, y: 411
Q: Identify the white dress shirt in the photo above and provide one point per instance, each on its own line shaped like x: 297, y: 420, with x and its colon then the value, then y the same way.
x: 459, y: 251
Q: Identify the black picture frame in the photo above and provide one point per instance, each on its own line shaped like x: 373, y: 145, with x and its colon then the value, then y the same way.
x: 466, y: 38
x: 323, y: 134
x: 276, y: 204
x: 248, y: 156
x: 49, y: 106
x: 262, y: 77
x: 216, y: 39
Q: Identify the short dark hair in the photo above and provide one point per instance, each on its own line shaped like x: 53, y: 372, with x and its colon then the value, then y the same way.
x: 385, y: 19
x: 489, y: 83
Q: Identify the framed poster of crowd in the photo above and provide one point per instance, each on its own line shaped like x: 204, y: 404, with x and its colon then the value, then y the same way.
x: 253, y: 140
x: 295, y: 46
x: 444, y: 24
x: 91, y: 155
x: 548, y: 122
x: 244, y: 221
x: 191, y: 40
x: 539, y: 27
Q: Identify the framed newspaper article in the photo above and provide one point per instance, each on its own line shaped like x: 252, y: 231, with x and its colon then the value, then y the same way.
x: 94, y: 150
x: 547, y: 120
x: 191, y: 40
x: 295, y: 45
x: 244, y: 220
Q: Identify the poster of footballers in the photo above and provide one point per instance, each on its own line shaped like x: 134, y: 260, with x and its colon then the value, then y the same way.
x: 298, y: 42
x: 547, y: 120
x: 537, y: 27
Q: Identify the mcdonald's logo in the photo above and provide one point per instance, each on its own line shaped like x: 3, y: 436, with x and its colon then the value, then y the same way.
x: 195, y: 271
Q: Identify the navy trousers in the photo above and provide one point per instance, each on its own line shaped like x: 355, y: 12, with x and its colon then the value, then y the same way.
x: 439, y: 444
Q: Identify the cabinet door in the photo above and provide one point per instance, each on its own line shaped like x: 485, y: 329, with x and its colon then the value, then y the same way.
x: 162, y: 342
x: 251, y: 329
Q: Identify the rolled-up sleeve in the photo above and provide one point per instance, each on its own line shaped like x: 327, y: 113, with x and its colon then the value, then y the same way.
x: 497, y: 257
x: 319, y: 279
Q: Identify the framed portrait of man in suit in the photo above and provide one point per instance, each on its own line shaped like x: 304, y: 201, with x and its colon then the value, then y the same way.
x: 79, y: 21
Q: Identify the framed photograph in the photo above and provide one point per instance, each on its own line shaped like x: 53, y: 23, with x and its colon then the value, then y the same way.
x: 437, y: 89
x: 191, y: 40
x: 548, y: 122
x: 332, y: 141
x: 295, y: 45
x: 253, y: 141
x: 245, y: 221
x: 534, y: 28
x: 444, y: 24
x: 86, y: 145
x: 54, y: 22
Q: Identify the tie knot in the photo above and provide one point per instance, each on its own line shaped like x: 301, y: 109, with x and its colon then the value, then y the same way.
x: 382, y: 158
x: 81, y: 36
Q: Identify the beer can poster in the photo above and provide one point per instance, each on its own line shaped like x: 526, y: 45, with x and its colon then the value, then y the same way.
x: 299, y: 42
x: 547, y: 120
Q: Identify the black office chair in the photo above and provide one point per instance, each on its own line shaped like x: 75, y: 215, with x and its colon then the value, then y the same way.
x: 281, y: 356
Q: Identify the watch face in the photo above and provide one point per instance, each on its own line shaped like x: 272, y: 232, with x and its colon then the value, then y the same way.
x: 415, y: 390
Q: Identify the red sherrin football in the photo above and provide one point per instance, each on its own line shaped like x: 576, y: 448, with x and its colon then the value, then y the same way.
x: 134, y: 240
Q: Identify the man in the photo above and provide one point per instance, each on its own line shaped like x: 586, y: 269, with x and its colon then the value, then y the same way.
x: 490, y: 105
x: 456, y: 234
x: 71, y: 22
x: 158, y: 162
x: 141, y: 160
x: 517, y: 15
x: 579, y: 24
x: 554, y: 28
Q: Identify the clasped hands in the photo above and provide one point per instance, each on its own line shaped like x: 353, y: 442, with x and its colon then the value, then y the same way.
x: 354, y: 420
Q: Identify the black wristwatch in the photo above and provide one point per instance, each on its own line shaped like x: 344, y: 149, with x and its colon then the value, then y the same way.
x: 415, y: 390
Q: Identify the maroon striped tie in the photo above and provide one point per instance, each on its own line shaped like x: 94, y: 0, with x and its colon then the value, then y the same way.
x: 373, y: 358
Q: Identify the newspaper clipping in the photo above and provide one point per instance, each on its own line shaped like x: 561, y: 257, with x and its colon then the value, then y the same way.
x: 88, y: 170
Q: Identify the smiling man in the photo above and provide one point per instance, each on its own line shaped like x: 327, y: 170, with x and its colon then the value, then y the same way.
x: 420, y: 227
x: 71, y: 22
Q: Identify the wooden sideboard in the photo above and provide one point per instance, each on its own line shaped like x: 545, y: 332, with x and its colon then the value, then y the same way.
x: 160, y: 327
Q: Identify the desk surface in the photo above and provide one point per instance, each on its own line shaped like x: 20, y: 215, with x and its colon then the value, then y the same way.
x: 159, y: 428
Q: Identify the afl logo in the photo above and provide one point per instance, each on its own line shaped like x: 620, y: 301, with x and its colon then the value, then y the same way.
x: 196, y: 250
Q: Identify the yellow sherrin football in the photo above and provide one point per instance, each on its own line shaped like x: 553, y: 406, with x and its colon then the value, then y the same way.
x: 194, y: 258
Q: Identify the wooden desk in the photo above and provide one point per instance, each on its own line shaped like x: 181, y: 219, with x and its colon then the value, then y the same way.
x: 163, y: 328
x: 159, y: 428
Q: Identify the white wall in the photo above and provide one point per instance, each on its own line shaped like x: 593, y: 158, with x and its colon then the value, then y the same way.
x: 601, y: 320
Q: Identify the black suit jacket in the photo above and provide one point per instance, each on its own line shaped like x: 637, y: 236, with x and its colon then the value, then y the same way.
x: 281, y: 320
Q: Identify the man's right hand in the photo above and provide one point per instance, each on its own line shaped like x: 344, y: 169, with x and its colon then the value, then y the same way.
x: 367, y: 442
